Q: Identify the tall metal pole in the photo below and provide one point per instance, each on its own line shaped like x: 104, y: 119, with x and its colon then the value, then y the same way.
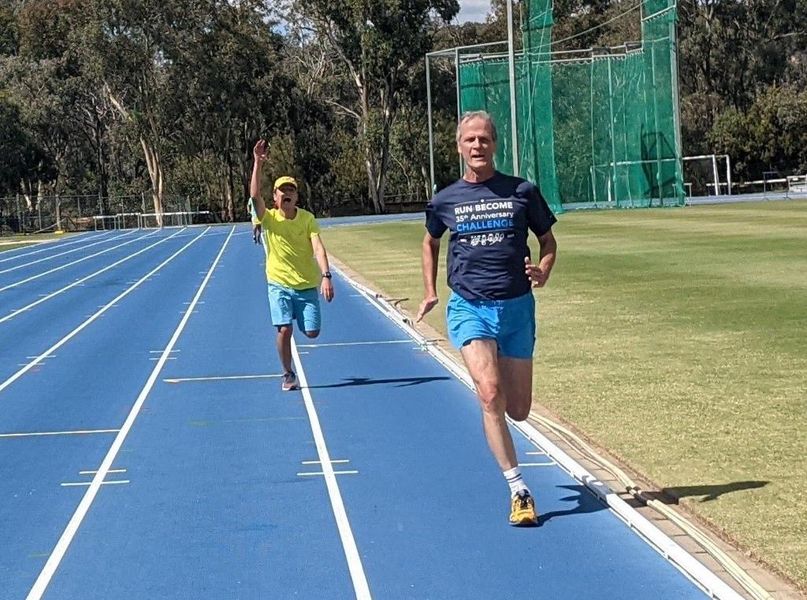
x: 512, y: 72
x: 459, y: 101
x: 431, y: 127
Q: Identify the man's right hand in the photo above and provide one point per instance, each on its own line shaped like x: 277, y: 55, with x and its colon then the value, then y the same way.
x: 428, y: 303
x: 259, y: 151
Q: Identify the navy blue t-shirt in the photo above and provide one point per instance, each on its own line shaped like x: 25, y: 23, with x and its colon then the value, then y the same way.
x: 488, y: 222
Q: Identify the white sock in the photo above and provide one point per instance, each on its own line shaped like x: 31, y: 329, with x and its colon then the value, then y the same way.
x: 515, y: 481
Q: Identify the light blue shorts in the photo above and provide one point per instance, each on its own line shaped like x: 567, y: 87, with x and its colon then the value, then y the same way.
x: 287, y: 305
x: 510, y: 322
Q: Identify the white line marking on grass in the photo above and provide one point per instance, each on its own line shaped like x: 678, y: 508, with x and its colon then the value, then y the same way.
x: 89, y: 483
x: 95, y: 316
x: 221, y: 378
x: 70, y: 264
x: 360, y: 585
x: 338, y: 344
x: 335, y: 473
x: 16, y: 256
x: 42, y: 581
x: 81, y: 281
x: 44, y: 433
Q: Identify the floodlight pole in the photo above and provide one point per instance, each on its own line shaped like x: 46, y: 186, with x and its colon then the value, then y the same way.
x: 512, y: 72
x: 431, y: 127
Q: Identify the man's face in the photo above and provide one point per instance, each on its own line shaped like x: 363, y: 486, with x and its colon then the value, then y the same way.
x: 476, y: 144
x: 286, y: 196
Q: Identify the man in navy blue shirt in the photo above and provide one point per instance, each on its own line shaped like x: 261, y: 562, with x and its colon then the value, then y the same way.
x: 491, y: 312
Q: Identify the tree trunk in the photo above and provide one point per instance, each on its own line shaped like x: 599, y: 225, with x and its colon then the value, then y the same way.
x: 154, y: 166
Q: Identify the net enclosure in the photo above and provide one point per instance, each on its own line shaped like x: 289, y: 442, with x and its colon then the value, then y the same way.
x: 597, y: 127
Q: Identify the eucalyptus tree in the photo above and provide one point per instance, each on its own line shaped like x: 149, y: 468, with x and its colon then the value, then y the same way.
x: 378, y: 42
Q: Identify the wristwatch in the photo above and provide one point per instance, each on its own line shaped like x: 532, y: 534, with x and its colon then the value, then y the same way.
x: 327, y: 275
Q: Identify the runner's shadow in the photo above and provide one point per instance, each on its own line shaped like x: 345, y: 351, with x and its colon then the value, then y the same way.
x: 402, y: 381
x: 586, y: 501
x: 671, y: 495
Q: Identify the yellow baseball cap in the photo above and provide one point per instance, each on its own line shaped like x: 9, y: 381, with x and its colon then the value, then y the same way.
x: 285, y: 180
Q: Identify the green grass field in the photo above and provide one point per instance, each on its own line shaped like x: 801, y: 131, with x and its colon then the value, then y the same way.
x: 676, y: 339
x: 10, y: 242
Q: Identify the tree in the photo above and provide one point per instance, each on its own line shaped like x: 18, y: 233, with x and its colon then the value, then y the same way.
x: 378, y: 42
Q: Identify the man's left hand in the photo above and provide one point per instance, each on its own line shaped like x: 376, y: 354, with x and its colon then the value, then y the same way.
x: 535, y: 273
x: 326, y: 289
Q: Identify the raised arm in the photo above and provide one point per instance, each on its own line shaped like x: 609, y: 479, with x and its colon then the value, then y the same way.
x: 259, y: 156
x: 430, y: 252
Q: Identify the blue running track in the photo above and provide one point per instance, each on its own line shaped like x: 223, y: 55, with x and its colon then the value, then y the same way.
x: 147, y: 451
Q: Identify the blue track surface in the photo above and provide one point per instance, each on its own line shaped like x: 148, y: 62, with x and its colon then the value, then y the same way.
x: 213, y: 487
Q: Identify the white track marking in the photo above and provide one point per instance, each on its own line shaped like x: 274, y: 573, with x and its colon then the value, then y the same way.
x: 339, y: 344
x: 316, y: 462
x: 89, y: 483
x: 70, y: 264
x: 45, y: 576
x: 335, y: 473
x: 45, y: 249
x: 51, y: 257
x: 47, y: 297
x: 94, y: 316
x: 222, y: 378
x: 94, y: 472
x: 546, y: 464
x: 46, y: 433
x: 354, y: 564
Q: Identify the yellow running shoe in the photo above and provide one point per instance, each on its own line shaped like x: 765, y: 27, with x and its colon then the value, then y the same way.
x: 522, y: 510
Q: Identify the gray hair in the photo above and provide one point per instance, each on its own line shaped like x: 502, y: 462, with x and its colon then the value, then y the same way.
x: 476, y: 114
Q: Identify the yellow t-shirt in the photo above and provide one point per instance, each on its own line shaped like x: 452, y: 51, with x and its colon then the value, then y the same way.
x: 289, y: 253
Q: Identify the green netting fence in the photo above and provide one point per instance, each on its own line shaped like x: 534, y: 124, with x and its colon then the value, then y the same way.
x: 597, y: 127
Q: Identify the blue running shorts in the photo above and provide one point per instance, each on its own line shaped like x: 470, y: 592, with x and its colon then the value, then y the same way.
x: 510, y: 322
x: 287, y: 304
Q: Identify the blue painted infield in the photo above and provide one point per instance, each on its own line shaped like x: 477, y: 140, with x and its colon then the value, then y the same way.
x: 217, y: 507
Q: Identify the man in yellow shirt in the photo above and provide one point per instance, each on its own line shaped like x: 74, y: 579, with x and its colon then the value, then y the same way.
x: 296, y: 262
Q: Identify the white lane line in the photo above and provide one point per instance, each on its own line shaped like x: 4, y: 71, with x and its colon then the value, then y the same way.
x: 42, y: 581
x: 95, y: 316
x: 94, y: 472
x: 536, y: 452
x: 70, y: 264
x: 81, y: 281
x: 45, y: 433
x: 541, y: 464
x: 50, y: 246
x: 360, y: 585
x: 336, y: 344
x: 34, y: 262
x: 316, y: 462
x: 335, y: 473
x: 89, y: 483
x: 222, y: 378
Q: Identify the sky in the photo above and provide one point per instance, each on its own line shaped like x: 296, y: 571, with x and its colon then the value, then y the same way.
x: 473, y: 10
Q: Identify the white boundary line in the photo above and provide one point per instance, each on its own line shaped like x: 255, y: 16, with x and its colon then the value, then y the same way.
x: 94, y: 316
x: 674, y: 553
x: 354, y: 564
x: 83, y: 279
x: 70, y: 264
x: 42, y: 581
x: 221, y: 378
